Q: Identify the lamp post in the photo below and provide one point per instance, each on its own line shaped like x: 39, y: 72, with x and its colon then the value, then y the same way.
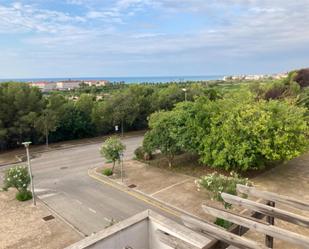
x: 26, y: 144
x: 121, y: 161
x: 185, y: 90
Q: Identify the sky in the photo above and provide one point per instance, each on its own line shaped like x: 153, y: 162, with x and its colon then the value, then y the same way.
x: 80, y: 38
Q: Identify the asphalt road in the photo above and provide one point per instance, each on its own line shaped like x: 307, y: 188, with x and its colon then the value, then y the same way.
x: 62, y: 182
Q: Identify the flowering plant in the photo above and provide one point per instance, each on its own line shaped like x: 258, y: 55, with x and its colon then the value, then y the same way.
x: 17, y: 177
x: 217, y: 183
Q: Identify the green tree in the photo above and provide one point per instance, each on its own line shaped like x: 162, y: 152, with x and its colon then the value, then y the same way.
x: 112, y: 149
x: 47, y: 123
x: 166, y: 98
x: 20, y: 105
x: 239, y: 133
x: 163, y: 135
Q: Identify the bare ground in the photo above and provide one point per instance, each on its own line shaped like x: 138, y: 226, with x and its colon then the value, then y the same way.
x: 22, y: 226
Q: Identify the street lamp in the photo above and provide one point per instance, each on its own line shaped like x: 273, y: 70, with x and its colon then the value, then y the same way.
x: 26, y: 144
x: 121, y: 161
x: 185, y: 90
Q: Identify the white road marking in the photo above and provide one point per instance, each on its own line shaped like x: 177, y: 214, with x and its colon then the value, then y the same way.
x: 39, y: 190
x: 171, y: 186
x: 46, y: 195
x: 91, y: 210
x: 79, y: 202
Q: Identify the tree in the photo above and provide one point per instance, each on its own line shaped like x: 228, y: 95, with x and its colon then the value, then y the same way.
x: 112, y: 149
x: 302, y: 77
x: 239, y: 133
x: 166, y: 98
x: 47, y: 123
x: 163, y: 135
x: 20, y: 105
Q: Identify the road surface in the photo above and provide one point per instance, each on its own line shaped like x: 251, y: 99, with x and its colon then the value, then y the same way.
x: 62, y: 182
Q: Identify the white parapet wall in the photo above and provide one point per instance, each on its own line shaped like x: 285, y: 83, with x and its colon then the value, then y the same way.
x: 140, y: 232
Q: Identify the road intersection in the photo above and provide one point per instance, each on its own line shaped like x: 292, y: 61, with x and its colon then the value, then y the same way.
x: 62, y: 182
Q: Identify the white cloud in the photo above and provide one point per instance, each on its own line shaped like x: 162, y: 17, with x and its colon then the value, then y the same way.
x: 242, y: 29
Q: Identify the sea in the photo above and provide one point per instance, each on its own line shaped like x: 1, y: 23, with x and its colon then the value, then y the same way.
x: 128, y: 80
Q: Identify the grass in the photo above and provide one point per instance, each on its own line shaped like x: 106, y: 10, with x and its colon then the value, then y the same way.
x: 107, y: 172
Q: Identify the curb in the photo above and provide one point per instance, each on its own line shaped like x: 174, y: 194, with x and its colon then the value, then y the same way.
x: 175, y: 211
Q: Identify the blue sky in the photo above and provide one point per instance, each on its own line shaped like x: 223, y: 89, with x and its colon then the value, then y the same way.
x: 80, y: 38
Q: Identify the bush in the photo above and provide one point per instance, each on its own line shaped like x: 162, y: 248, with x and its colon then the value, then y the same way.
x: 217, y: 184
x: 141, y: 154
x: 24, y: 195
x: 17, y: 177
x: 223, y: 223
x: 107, y: 172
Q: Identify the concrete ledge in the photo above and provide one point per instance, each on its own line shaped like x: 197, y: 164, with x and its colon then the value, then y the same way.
x: 112, y: 230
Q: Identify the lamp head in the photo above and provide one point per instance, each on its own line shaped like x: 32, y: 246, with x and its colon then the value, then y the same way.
x: 26, y: 144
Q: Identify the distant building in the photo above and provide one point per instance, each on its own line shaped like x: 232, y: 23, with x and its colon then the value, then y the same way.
x: 44, y: 86
x: 96, y: 82
x: 255, y: 77
x: 68, y: 84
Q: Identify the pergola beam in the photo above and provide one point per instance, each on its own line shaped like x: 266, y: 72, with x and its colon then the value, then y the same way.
x: 267, y: 210
x: 289, y: 201
x: 267, y: 229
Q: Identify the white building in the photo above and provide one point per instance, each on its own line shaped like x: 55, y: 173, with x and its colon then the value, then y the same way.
x: 44, y: 86
x: 68, y: 84
x: 96, y: 82
x: 146, y: 230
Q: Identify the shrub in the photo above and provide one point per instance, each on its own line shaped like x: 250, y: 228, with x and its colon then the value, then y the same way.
x: 24, y: 195
x: 223, y: 223
x: 217, y: 184
x: 139, y: 153
x: 17, y: 177
x: 107, y: 172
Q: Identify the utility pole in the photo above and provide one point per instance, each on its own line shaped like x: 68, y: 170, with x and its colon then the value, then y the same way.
x: 26, y: 144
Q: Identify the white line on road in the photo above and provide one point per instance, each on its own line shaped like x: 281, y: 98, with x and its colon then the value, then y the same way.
x: 47, y: 195
x: 171, y: 186
x: 91, y: 210
x: 79, y: 202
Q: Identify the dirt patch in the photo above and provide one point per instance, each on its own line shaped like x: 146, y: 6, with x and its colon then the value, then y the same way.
x: 189, y: 165
x: 22, y: 226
